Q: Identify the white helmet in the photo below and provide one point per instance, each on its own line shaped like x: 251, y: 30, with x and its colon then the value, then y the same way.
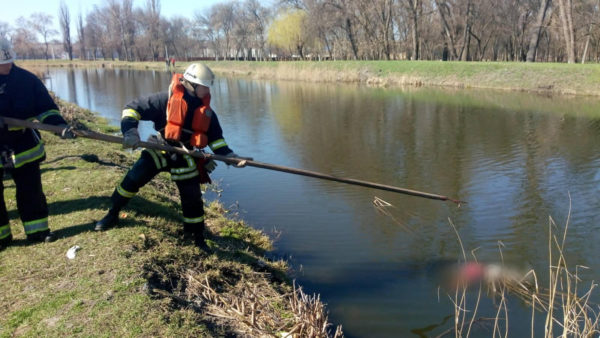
x: 7, y: 54
x: 199, y: 73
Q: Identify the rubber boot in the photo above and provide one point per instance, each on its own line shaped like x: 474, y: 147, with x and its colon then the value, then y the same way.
x: 5, y: 242
x: 110, y: 220
x: 200, y: 242
x: 112, y: 217
x: 42, y: 236
x: 195, y: 232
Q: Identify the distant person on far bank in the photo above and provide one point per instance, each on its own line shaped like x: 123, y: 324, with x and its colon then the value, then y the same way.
x: 183, y: 116
x: 24, y: 96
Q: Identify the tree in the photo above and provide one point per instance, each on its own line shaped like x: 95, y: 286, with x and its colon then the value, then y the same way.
x: 288, y: 32
x: 4, y: 29
x: 81, y: 37
x: 537, y: 30
x: 65, y: 26
x: 415, y: 8
x: 258, y: 17
x: 42, y: 24
x: 566, y: 17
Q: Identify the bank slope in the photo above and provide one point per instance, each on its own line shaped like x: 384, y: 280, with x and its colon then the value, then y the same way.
x: 141, y: 278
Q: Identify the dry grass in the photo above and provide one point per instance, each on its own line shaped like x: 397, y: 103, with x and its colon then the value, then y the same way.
x: 258, y: 313
x: 565, y: 306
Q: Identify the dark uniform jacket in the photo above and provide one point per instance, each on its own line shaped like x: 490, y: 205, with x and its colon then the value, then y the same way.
x: 154, y: 108
x: 24, y: 96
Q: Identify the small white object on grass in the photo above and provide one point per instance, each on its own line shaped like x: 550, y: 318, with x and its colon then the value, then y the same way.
x: 72, y: 251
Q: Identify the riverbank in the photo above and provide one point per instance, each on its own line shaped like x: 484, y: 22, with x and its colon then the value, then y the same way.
x: 551, y: 78
x: 141, y: 278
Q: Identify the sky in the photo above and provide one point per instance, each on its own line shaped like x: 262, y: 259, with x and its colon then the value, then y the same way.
x: 13, y: 9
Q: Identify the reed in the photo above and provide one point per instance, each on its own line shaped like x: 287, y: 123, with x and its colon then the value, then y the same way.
x: 567, y: 310
x: 260, y: 314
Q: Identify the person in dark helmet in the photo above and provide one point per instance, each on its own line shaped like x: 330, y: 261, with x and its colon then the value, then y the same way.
x: 24, y: 96
x: 183, y: 116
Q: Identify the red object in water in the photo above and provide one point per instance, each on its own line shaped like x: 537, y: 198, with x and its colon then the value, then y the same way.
x: 471, y: 272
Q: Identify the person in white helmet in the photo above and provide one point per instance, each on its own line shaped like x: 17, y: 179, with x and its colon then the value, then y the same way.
x: 24, y: 96
x: 183, y: 116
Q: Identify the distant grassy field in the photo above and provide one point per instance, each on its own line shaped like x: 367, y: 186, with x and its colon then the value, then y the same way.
x: 559, y: 78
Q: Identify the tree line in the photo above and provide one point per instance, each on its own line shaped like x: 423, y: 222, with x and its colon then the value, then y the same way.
x: 466, y: 30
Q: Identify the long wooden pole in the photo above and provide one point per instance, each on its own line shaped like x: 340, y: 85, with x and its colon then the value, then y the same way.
x: 237, y: 161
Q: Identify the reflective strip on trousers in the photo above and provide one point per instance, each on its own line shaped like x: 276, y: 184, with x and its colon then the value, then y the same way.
x: 158, y: 158
x: 185, y: 176
x: 38, y: 225
x: 30, y: 155
x: 125, y: 193
x: 4, y: 231
x: 220, y: 143
x: 194, y: 220
x: 180, y: 174
x: 191, y: 166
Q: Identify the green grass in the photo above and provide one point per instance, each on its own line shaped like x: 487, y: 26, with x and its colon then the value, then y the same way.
x: 559, y: 78
x: 130, y: 280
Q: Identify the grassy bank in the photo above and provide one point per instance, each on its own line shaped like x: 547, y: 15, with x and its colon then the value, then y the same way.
x: 556, y: 78
x: 141, y: 278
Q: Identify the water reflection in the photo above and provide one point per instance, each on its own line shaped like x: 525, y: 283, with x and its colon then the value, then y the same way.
x: 513, y: 156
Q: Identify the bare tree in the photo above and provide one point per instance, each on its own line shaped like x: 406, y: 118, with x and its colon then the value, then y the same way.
x: 24, y: 39
x: 4, y: 29
x: 566, y: 17
x: 415, y: 8
x: 537, y: 30
x: 81, y: 37
x: 64, y: 19
x: 42, y: 24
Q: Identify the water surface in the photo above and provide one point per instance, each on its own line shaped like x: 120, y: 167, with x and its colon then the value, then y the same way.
x: 517, y: 159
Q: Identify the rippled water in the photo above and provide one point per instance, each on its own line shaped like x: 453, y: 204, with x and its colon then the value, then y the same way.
x: 515, y: 157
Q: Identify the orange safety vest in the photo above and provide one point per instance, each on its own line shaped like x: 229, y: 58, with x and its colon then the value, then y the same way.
x: 177, y: 109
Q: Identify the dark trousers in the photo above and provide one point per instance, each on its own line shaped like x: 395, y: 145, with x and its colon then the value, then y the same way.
x: 31, y: 201
x: 183, y: 171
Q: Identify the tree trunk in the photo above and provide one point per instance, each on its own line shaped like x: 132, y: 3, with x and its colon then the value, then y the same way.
x: 415, y: 11
x: 535, y: 33
x: 587, y: 44
x: 351, y: 38
x: 566, y: 18
x: 464, y: 52
x: 447, y: 30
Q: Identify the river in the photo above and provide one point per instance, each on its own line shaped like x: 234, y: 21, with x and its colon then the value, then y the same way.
x: 516, y: 158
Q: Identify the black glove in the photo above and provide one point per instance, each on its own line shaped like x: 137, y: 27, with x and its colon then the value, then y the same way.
x: 67, y: 133
x: 210, y: 165
x: 131, y: 138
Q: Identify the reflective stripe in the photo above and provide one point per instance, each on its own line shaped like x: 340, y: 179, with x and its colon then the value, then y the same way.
x: 4, y: 231
x: 194, y: 220
x: 15, y: 128
x: 131, y: 113
x: 185, y: 176
x: 191, y: 166
x: 159, y: 160
x: 125, y: 193
x: 30, y: 155
x: 47, y: 114
x: 220, y: 143
x: 37, y: 225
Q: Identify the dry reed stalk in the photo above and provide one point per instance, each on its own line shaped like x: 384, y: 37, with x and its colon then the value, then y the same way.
x: 579, y: 318
x: 259, y: 313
